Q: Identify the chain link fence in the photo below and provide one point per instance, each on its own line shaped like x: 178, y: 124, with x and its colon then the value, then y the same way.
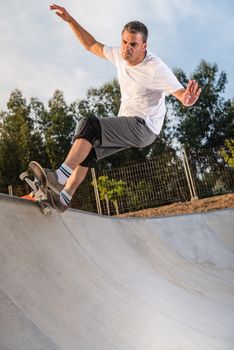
x: 165, y: 179
x: 211, y: 175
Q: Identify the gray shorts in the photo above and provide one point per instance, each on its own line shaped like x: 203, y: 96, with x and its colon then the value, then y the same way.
x: 119, y: 133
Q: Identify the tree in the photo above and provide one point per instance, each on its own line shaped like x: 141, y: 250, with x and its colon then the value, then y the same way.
x: 18, y: 143
x: 29, y: 131
x: 58, y: 126
x: 210, y: 121
x: 102, y: 102
x: 39, y: 115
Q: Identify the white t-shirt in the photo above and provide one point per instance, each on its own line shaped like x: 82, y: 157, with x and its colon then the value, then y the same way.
x: 143, y: 87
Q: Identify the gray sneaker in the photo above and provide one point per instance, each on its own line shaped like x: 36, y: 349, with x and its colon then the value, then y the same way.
x: 54, y: 200
x: 52, y: 181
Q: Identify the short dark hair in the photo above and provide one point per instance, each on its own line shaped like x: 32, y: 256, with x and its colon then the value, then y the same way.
x: 137, y: 27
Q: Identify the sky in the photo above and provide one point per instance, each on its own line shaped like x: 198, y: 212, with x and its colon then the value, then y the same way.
x: 39, y: 53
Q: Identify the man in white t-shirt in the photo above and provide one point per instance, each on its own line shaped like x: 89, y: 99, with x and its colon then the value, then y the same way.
x: 144, y: 81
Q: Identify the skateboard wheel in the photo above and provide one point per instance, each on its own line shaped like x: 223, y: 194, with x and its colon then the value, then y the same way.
x: 23, y: 176
x: 45, y: 210
x: 32, y: 194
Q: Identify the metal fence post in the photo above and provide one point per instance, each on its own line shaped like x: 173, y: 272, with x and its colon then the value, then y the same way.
x: 189, y: 178
x: 10, y: 190
x: 97, y: 198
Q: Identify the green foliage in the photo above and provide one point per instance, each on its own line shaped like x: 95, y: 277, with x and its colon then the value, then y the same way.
x: 102, y: 102
x: 59, y: 125
x: 210, y: 121
x: 18, y: 143
x: 29, y: 131
x: 227, y: 152
x: 110, y: 191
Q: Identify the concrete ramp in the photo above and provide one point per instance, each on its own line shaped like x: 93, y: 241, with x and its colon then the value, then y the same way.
x: 79, y: 281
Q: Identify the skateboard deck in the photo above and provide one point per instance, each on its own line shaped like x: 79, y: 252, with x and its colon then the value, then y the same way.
x: 37, y: 194
x: 36, y: 169
x: 40, y: 193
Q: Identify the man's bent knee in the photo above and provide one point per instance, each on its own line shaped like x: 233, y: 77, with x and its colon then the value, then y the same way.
x: 88, y: 129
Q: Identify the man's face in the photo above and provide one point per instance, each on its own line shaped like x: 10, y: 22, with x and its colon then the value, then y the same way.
x: 132, y: 48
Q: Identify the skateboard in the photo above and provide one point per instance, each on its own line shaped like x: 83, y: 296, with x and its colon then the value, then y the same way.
x: 40, y: 192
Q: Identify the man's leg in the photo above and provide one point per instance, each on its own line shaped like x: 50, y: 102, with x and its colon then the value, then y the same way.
x: 77, y: 154
x: 75, y: 180
x: 87, y: 132
x: 75, y: 167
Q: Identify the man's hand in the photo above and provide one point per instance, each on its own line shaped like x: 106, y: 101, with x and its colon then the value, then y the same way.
x: 61, y: 12
x: 189, y: 95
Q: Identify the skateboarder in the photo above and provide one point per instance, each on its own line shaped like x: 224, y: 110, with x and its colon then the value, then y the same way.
x: 144, y: 81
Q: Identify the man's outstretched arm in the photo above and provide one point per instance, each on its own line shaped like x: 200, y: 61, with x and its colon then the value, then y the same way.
x: 190, y: 95
x: 85, y: 38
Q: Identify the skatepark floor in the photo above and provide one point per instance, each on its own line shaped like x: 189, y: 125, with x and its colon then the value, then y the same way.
x: 80, y: 281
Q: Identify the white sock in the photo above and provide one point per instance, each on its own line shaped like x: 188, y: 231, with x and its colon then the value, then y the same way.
x: 64, y: 172
x: 65, y: 198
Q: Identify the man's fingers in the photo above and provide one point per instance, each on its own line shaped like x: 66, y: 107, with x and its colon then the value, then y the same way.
x: 193, y: 87
x: 198, y: 92
x: 58, y: 10
x: 190, y: 83
x: 56, y: 7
